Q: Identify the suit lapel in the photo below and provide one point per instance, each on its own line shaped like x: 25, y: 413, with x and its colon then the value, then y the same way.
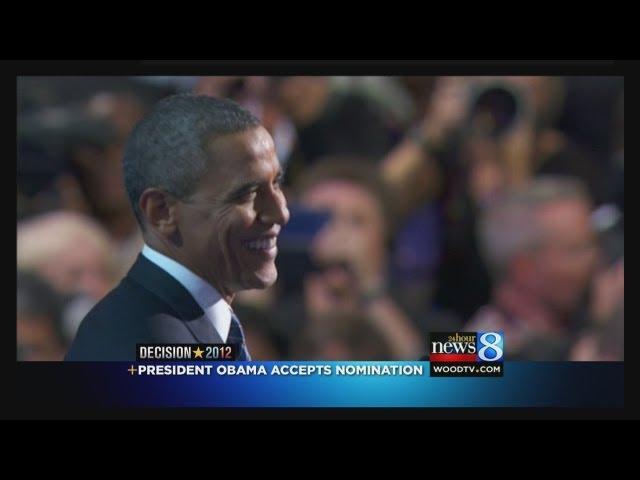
x: 203, y: 330
x: 169, y: 290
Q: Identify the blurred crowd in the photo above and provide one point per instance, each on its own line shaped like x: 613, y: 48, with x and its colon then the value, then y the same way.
x: 418, y: 204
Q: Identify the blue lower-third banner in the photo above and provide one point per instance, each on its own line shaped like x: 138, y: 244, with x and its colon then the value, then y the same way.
x: 344, y: 384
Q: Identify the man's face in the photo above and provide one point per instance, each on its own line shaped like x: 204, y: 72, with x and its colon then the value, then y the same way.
x: 355, y: 213
x: 302, y: 97
x: 565, y: 264
x: 80, y: 267
x: 229, y: 226
x: 354, y: 237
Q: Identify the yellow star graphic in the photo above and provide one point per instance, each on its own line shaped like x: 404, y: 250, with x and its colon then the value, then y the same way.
x: 198, y: 352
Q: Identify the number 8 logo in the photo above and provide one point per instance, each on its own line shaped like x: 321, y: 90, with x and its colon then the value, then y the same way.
x: 493, y: 345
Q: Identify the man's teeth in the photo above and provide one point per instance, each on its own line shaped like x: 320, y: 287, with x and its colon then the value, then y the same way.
x: 266, y: 244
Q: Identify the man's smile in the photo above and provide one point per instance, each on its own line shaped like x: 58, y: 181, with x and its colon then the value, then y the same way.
x: 264, y: 245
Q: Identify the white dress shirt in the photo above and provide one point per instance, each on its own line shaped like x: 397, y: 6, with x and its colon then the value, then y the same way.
x: 216, y: 309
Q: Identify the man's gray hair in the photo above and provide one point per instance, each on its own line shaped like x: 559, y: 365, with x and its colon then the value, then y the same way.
x: 508, y: 225
x: 168, y: 148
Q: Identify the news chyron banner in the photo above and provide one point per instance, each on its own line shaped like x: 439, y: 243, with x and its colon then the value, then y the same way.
x: 164, y: 383
x: 210, y: 375
x: 466, y: 354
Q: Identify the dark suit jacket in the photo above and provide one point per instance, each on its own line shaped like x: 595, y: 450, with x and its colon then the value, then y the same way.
x: 148, y: 306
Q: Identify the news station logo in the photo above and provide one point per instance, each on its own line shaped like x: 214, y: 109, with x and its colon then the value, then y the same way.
x: 466, y: 354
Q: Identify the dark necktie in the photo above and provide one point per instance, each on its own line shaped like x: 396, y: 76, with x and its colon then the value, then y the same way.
x: 236, y: 335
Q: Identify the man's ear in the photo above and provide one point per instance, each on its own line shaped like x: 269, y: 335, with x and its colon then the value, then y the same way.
x: 159, y: 210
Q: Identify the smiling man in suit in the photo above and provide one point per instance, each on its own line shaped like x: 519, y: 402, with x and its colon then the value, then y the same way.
x: 204, y: 183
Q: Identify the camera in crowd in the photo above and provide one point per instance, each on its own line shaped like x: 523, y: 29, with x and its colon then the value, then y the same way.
x: 495, y: 109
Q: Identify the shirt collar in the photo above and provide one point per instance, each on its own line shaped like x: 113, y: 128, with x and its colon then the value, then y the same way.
x: 205, y: 295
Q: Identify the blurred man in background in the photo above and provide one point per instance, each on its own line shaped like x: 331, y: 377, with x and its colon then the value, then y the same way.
x: 543, y: 253
x: 74, y: 254
x: 69, y: 250
x: 349, y: 256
